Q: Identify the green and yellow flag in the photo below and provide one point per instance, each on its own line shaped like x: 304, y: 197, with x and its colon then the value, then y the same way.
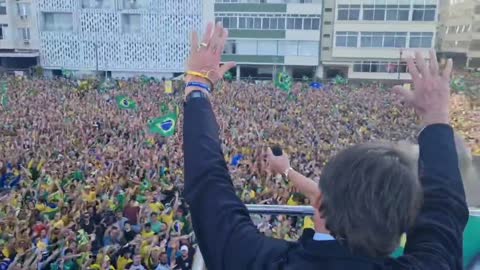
x: 458, y: 84
x: 284, y: 82
x: 164, y: 125
x: 125, y: 103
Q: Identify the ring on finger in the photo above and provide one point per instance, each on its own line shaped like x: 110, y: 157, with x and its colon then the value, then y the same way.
x: 202, y: 45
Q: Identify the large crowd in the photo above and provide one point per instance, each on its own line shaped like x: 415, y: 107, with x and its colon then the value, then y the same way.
x: 85, y: 185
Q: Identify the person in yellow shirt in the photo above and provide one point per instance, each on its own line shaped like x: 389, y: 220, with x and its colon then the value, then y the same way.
x: 124, y: 259
x: 89, y: 194
x: 147, y: 231
x: 155, y: 206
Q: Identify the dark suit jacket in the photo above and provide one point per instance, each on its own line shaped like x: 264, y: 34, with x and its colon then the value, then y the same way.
x: 229, y: 240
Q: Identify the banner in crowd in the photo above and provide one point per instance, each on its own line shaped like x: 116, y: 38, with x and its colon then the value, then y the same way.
x: 168, y: 87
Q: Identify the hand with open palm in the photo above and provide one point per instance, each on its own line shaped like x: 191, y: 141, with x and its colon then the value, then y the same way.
x: 431, y: 95
x: 205, y: 56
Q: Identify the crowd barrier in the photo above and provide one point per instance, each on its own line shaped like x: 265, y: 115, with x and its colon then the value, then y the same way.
x: 471, y: 234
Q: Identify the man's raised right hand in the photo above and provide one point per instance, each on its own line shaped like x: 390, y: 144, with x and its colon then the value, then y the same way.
x: 431, y: 95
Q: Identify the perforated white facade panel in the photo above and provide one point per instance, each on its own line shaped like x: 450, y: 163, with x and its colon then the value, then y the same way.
x: 152, y: 38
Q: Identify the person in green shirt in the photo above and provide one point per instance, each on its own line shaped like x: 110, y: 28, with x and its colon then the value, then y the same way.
x: 157, y: 226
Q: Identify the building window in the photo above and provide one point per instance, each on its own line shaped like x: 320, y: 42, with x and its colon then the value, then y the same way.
x: 395, y: 40
x: 246, y: 47
x: 380, y: 67
x: 328, y: 9
x: 265, y: 22
x: 374, y: 12
x: 295, y: 23
x: 24, y: 33
x: 3, y: 7
x: 315, y: 24
x: 23, y: 10
x: 298, y: 23
x: 346, y: 39
x: 106, y: 3
x: 267, y: 47
x: 423, y: 12
x: 308, y: 48
x: 59, y: 22
x: 421, y: 39
x: 348, y: 12
x: 371, y: 39
x: 230, y: 47
x: 326, y: 48
x: 307, y: 24
x: 132, y: 4
x: 281, y: 24
x: 228, y: 22
x: 287, y: 48
x: 326, y: 35
x: 131, y: 23
x: 3, y: 30
x: 474, y: 45
x: 397, y: 12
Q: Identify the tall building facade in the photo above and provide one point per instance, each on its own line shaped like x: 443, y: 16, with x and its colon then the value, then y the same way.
x: 459, y: 32
x: 369, y: 39
x: 19, y: 40
x: 267, y: 36
x: 122, y: 37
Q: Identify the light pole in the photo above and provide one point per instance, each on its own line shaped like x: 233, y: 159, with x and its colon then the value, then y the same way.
x: 96, y: 58
x: 399, y: 63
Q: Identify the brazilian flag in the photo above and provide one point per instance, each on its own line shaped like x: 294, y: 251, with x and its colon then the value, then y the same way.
x: 284, y: 82
x: 125, y: 103
x: 458, y: 84
x: 228, y: 76
x: 339, y: 80
x: 164, y: 125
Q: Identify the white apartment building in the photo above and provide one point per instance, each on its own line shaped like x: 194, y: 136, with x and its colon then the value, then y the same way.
x: 267, y: 36
x: 123, y: 38
x: 369, y: 39
x: 18, y: 35
x: 459, y: 32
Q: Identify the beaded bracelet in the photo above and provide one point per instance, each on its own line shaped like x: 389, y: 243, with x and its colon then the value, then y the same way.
x: 199, y: 85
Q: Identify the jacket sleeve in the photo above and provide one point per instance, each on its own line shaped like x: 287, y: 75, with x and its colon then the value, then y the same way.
x: 436, y: 239
x: 226, y: 235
